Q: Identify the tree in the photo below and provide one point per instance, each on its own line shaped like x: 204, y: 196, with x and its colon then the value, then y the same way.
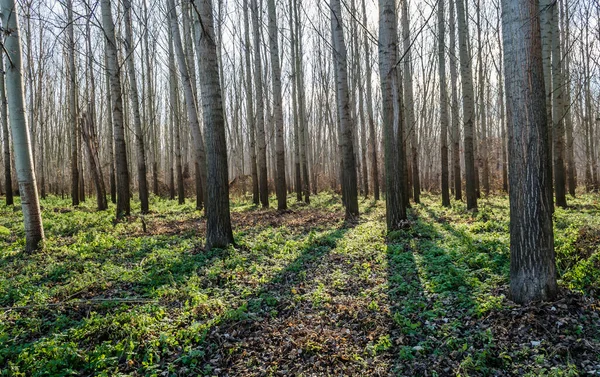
x: 123, y: 197
x: 190, y: 103
x: 558, y: 114
x: 411, y: 124
x: 532, y: 264
x: 218, y: 218
x: 280, y: 185
x: 455, y: 124
x: 263, y: 186
x: 369, y: 99
x: 6, y: 137
x: 346, y: 125
x: 443, y: 104
x: 88, y: 125
x: 388, y: 46
x: 249, y: 108
x: 468, y: 106
x: 72, y: 105
x: 135, y: 104
x: 32, y: 217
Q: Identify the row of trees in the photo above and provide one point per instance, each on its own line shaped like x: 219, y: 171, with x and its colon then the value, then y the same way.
x: 226, y: 88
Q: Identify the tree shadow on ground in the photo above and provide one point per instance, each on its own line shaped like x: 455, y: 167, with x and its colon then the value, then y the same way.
x: 260, y: 333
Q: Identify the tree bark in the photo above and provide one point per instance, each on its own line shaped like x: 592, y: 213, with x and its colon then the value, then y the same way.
x: 249, y: 108
x: 135, y: 104
x: 6, y: 136
x: 443, y: 105
x: 455, y: 109
x: 369, y: 99
x: 468, y: 106
x: 411, y: 124
x: 218, y: 224
x: 346, y: 123
x: 532, y: 265
x: 263, y: 184
x: 395, y: 210
x: 32, y: 218
x: 123, y: 196
x: 190, y: 104
x: 280, y: 185
x: 72, y: 105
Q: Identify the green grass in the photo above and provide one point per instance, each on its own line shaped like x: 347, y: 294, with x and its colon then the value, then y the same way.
x: 300, y: 293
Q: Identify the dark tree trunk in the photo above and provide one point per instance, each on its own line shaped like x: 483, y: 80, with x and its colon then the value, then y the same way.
x: 218, y: 218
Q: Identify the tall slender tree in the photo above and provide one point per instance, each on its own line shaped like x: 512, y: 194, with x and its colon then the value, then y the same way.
x: 32, y: 218
x: 443, y: 104
x: 123, y: 196
x: 135, y: 105
x: 411, y: 124
x: 280, y: 185
x: 388, y: 46
x: 190, y: 103
x: 468, y: 106
x: 261, y: 142
x: 249, y: 106
x: 218, y: 223
x: 73, y: 105
x: 5, y: 137
x: 456, y: 171
x: 369, y: 100
x: 346, y: 124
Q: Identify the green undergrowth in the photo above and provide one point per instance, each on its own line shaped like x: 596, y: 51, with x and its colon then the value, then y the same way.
x: 327, y: 297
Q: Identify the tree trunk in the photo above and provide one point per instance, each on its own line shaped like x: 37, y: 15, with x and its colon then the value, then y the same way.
x: 571, y: 167
x: 218, y: 224
x: 249, y: 108
x: 443, y: 105
x: 123, y: 197
x: 88, y: 127
x: 545, y: 11
x: 263, y: 184
x: 72, y: 105
x: 190, y: 103
x: 280, y: 185
x: 395, y: 210
x: 468, y: 106
x: 6, y: 137
x: 532, y: 266
x: 346, y: 123
x: 294, y: 110
x: 372, y: 142
x: 485, y: 176
x: 411, y: 124
x: 558, y: 113
x: 135, y: 104
x: 455, y: 109
x: 301, y: 105
x: 111, y: 150
x: 32, y: 218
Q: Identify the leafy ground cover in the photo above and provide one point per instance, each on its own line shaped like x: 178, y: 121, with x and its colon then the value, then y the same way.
x: 302, y: 293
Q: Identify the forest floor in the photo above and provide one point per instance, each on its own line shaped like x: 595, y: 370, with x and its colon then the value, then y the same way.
x: 302, y: 293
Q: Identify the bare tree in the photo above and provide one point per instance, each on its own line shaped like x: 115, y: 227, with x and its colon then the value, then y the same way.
x: 6, y: 137
x: 443, y: 104
x: 346, y: 123
x: 468, y: 106
x: 32, y: 218
x: 123, y: 197
x: 388, y: 46
x: 280, y: 185
x: 218, y: 224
